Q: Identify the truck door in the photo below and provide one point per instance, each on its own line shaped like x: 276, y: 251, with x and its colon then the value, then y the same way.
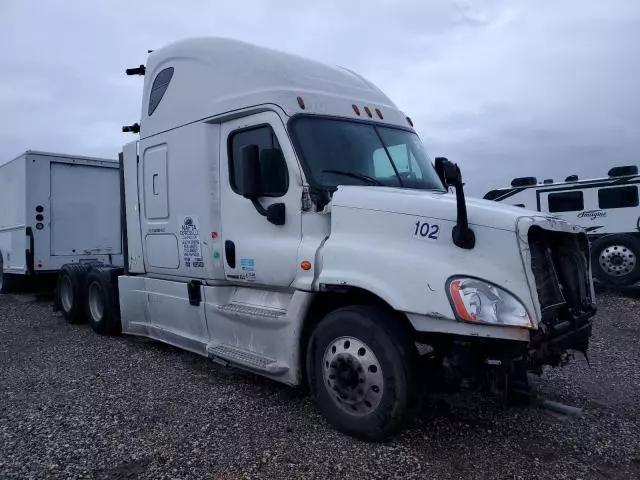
x: 255, y: 251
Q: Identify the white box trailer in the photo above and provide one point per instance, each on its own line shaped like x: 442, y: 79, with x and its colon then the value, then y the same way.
x: 57, y: 209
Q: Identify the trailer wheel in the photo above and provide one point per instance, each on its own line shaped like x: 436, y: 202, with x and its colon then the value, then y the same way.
x: 615, y: 259
x: 361, y: 372
x: 102, y: 301
x: 70, y: 291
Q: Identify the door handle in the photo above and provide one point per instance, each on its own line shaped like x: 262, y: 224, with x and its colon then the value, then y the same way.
x: 155, y: 183
x: 230, y: 253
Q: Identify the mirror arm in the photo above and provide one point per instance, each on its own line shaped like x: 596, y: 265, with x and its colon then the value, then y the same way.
x: 274, y: 213
x: 462, y: 234
x: 261, y: 210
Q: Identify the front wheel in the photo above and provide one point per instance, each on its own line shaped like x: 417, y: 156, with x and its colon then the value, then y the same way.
x: 615, y: 259
x: 361, y: 372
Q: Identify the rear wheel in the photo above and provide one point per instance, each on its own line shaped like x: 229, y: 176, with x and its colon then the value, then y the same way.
x: 615, y: 259
x: 361, y: 372
x: 102, y: 307
x: 71, y: 292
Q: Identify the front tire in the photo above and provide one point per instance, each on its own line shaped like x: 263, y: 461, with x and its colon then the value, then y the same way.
x: 361, y: 372
x: 615, y: 259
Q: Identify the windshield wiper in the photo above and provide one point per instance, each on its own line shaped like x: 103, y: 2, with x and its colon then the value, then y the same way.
x: 359, y: 176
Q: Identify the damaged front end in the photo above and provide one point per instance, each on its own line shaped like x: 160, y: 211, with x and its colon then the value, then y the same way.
x: 558, y: 257
x: 556, y: 262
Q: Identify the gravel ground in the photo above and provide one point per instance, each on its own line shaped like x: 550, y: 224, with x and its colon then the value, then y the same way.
x: 77, y: 405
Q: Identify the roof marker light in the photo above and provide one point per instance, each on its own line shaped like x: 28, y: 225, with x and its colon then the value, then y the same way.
x: 368, y: 111
x: 356, y: 109
x: 379, y: 113
x: 409, y: 121
x: 301, y: 103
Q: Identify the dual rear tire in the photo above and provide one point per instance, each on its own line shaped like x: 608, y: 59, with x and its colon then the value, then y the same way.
x: 89, y: 293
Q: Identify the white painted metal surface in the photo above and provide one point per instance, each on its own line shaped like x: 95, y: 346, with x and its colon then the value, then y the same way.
x: 85, y: 210
x: 213, y: 76
x: 71, y: 205
x: 265, y: 254
x: 373, y: 246
x: 13, y: 241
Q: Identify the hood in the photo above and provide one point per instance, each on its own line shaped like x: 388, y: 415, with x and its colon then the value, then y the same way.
x: 421, y: 203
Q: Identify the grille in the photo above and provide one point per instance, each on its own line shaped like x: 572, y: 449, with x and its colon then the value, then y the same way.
x: 559, y: 262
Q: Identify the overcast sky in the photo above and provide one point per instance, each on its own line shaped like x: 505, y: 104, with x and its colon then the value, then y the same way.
x: 504, y: 88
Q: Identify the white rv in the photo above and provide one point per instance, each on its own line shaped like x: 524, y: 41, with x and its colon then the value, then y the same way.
x: 283, y: 216
x: 57, y: 209
x: 607, y: 208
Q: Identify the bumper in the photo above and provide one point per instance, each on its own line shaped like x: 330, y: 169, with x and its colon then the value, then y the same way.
x: 549, y: 345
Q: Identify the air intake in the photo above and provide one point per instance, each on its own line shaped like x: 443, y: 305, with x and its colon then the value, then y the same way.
x: 571, y: 178
x: 623, y: 171
x: 547, y: 181
x: 524, y: 181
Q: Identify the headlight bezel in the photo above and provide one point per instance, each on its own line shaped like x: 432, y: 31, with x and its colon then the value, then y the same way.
x: 479, y: 321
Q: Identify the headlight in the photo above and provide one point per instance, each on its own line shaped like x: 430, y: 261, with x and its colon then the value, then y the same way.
x: 476, y: 301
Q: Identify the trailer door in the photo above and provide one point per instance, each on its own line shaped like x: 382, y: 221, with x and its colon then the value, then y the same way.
x: 85, y: 210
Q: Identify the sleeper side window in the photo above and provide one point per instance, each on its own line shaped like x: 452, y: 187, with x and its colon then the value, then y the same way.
x: 618, y: 197
x: 275, y: 177
x: 158, y: 89
x: 566, y: 202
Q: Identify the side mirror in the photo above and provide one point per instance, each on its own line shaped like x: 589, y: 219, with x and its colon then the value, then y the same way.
x: 448, y: 172
x: 276, y: 213
x: 250, y: 173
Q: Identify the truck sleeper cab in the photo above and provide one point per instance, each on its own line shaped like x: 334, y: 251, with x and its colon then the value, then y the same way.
x: 282, y: 216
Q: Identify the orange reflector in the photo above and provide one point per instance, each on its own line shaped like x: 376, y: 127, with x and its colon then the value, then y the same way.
x: 461, y: 309
x: 356, y: 109
x: 368, y: 111
x: 305, y: 265
x: 301, y: 103
x: 379, y: 113
x: 409, y: 121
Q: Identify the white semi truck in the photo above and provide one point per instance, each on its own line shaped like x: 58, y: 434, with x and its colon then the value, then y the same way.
x: 56, y: 209
x: 282, y: 216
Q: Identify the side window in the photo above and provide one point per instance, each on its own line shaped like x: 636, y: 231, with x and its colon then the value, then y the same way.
x: 402, y: 157
x: 275, y: 178
x: 566, y: 202
x: 159, y: 87
x: 618, y: 197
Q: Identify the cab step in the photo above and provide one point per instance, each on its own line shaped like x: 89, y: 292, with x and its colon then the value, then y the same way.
x: 244, y: 310
x: 245, y: 358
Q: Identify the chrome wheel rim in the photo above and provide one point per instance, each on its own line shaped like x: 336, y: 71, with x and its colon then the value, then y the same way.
x: 617, y: 260
x: 66, y: 293
x: 95, y: 302
x: 353, y: 376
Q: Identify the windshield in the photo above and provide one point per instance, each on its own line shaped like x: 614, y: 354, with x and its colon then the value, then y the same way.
x: 341, y: 152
